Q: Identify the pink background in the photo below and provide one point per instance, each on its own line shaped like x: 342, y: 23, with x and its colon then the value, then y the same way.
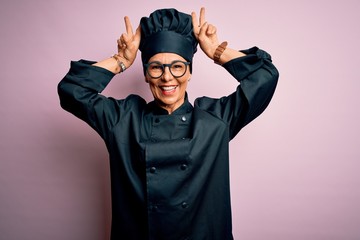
x: 294, y: 170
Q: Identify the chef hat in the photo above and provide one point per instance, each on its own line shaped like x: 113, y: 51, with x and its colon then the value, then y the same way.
x: 167, y: 30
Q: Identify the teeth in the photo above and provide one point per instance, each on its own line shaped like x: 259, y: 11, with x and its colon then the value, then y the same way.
x: 169, y: 88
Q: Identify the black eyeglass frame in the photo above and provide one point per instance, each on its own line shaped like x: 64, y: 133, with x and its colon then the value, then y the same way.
x: 163, y: 65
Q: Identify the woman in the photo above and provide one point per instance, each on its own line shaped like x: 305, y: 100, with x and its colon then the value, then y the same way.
x: 168, y: 158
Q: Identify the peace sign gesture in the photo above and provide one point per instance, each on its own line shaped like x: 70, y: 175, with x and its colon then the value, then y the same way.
x: 128, y: 43
x: 205, y: 33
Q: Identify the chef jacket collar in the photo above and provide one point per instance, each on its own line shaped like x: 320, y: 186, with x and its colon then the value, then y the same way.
x: 157, y: 110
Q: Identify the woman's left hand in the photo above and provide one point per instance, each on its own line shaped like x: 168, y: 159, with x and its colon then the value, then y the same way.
x: 205, y: 33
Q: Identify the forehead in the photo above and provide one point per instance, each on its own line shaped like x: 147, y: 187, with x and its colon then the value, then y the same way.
x: 166, y: 57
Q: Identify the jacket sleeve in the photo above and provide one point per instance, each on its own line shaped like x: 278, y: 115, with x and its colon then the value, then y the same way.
x: 79, y: 93
x: 257, y: 78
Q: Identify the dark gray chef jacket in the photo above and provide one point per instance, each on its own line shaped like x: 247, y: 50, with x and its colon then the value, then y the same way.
x: 170, y: 172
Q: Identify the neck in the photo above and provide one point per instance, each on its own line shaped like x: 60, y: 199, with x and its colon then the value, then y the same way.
x: 171, y: 107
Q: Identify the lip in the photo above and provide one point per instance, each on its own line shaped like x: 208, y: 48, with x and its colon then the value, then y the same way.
x: 168, y: 89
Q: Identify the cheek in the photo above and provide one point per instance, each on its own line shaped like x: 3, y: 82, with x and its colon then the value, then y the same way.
x: 185, y: 81
x: 183, y: 86
x: 187, y: 77
x: 153, y: 88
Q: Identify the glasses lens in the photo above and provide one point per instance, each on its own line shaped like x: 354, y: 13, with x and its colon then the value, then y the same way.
x: 178, y: 69
x: 155, y: 70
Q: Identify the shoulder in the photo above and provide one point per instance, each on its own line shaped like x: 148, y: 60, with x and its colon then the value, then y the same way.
x: 207, y: 104
x: 133, y: 101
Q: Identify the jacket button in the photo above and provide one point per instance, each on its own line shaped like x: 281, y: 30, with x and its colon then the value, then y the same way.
x: 183, y: 118
x: 183, y: 167
x: 153, y: 208
x: 152, y: 169
x: 184, y: 205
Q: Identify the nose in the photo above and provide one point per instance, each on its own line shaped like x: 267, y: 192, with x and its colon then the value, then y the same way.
x: 167, y: 76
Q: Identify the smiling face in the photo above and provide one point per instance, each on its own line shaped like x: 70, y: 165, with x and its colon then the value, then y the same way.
x: 168, y: 91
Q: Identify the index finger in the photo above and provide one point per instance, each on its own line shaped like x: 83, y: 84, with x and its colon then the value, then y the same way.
x: 194, y: 21
x: 129, y: 29
x: 202, y: 16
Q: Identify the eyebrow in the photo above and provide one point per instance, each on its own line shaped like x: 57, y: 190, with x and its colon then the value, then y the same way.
x: 177, y: 60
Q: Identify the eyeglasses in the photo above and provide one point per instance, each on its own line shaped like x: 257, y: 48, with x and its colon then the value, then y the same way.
x: 157, y: 69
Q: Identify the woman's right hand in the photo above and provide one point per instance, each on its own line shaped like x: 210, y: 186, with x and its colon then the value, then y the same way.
x: 128, y: 43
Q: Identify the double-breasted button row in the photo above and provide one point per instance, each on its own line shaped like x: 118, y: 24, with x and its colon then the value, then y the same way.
x: 182, y: 118
x: 183, y: 167
x: 154, y: 207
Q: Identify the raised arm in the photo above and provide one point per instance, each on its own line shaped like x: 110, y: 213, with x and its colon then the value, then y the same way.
x: 252, y: 68
x: 128, y: 45
x: 206, y: 35
x: 79, y: 89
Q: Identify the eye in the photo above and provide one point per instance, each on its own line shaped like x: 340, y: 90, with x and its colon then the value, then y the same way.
x: 155, y: 67
x: 177, y: 66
